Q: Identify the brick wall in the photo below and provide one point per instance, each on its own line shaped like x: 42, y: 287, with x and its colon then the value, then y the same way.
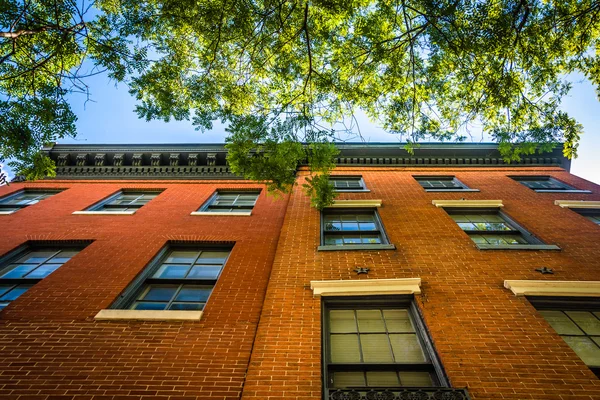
x: 50, y: 345
x: 488, y: 340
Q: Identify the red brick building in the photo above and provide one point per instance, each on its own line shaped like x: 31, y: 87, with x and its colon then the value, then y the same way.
x: 151, y: 272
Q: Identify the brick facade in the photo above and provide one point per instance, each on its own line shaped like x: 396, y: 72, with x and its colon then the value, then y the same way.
x: 488, y: 340
x: 51, y: 347
x: 260, y: 335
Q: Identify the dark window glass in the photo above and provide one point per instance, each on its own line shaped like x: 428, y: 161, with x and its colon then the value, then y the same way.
x: 577, y: 323
x: 182, y: 279
x: 542, y: 183
x: 433, y: 183
x: 347, y: 183
x: 490, y: 227
x: 21, y: 272
x: 371, y: 346
x: 24, y: 198
x: 125, y: 201
x: 352, y: 227
x: 590, y: 213
x: 225, y: 201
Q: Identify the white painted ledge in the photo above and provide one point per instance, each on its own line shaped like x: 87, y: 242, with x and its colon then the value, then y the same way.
x: 468, y: 203
x: 104, y: 212
x: 148, y: 315
x: 355, y: 203
x: 228, y: 214
x: 366, y: 287
x: 8, y: 212
x: 554, y: 288
x: 577, y: 204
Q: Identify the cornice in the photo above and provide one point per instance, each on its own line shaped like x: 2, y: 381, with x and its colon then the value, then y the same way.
x: 209, y: 161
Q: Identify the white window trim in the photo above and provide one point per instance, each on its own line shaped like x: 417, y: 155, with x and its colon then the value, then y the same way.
x: 355, y: 203
x: 577, y: 204
x: 553, y: 288
x: 148, y: 315
x: 104, y: 212
x: 8, y: 212
x: 468, y: 203
x: 229, y: 214
x: 366, y: 287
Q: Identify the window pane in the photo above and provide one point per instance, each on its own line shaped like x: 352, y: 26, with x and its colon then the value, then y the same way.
x: 334, y: 241
x: 467, y: 226
x: 370, y: 321
x: 348, y: 379
x: 171, y: 271
x: 64, y: 256
x: 561, y: 323
x: 352, y: 239
x: 18, y: 271
x: 342, y: 321
x: 398, y: 321
x: 376, y: 348
x: 382, y: 378
x: 15, y: 293
x: 187, y: 306
x: 344, y: 348
x: 43, y: 271
x: 407, y: 348
x: 585, y: 348
x: 36, y: 257
x: 182, y: 257
x: 349, y: 226
x: 415, y: 379
x: 4, y: 289
x: 204, y: 272
x: 367, y: 226
x: 586, y: 321
x: 369, y: 239
x: 159, y: 293
x: 194, y: 293
x: 149, y: 306
x: 213, y: 257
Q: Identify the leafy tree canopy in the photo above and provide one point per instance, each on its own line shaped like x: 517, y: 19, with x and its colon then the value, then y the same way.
x: 284, y: 72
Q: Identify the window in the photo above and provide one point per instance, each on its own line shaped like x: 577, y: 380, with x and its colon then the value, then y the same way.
x: 492, y: 229
x: 546, y: 184
x: 351, y: 227
x: 376, y: 342
x: 29, y: 266
x: 591, y: 214
x: 181, y: 278
x: 577, y: 321
x: 24, y: 198
x: 125, y: 201
x: 442, y: 184
x: 231, y: 202
x: 348, y: 183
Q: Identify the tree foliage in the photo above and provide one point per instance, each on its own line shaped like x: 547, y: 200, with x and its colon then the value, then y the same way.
x: 280, y: 72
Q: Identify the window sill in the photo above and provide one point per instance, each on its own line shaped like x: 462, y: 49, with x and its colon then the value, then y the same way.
x: 353, y: 191
x: 452, y: 190
x: 357, y: 247
x: 148, y: 315
x: 8, y: 212
x: 517, y: 247
x: 228, y: 214
x: 103, y: 212
x: 562, y: 191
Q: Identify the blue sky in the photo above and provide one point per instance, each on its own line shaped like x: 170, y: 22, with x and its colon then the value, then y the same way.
x: 109, y: 118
